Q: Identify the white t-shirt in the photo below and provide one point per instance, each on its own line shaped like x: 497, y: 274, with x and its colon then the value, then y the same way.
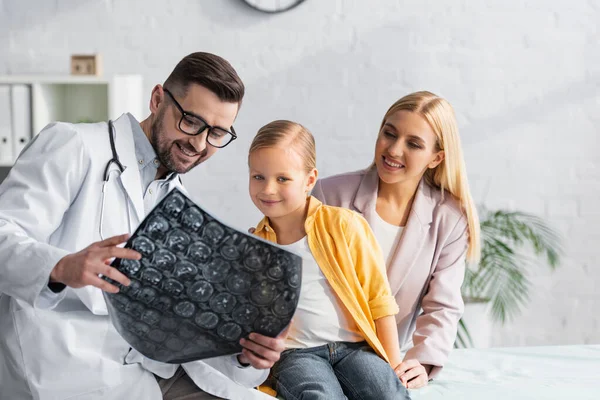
x: 321, y: 317
x: 387, y: 236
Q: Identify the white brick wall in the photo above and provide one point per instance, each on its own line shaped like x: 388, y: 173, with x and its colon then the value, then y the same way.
x: 524, y: 78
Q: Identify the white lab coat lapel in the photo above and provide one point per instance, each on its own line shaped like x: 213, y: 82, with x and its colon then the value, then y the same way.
x: 130, y: 178
x: 123, y: 204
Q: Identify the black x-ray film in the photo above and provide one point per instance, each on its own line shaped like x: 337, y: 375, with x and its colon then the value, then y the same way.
x: 200, y: 285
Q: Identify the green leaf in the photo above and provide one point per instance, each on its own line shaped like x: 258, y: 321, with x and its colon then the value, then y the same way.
x: 463, y: 337
x: 508, y: 239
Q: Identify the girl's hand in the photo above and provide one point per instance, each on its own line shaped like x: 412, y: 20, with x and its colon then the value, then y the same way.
x: 412, y: 374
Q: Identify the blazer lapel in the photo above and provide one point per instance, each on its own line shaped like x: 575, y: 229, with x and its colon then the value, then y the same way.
x: 413, y: 237
x: 414, y: 233
x: 130, y: 178
x: 365, y: 199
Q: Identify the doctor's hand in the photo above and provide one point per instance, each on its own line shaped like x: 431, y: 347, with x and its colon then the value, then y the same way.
x: 262, y: 351
x: 83, y: 268
x: 413, y: 374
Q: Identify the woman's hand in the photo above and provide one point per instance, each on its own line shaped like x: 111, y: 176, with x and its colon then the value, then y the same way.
x: 412, y: 374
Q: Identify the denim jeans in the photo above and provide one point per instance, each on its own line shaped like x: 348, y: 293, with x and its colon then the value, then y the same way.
x: 334, y: 371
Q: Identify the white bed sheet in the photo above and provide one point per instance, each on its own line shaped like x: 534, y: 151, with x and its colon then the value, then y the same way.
x: 554, y: 372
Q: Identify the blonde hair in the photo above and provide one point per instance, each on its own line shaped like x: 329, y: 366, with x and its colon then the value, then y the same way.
x: 451, y: 174
x: 290, y: 135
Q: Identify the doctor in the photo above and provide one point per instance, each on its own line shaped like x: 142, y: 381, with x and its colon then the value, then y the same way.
x: 64, y: 209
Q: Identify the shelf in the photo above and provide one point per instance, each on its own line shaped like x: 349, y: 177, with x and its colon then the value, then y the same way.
x: 58, y: 79
x: 73, y: 99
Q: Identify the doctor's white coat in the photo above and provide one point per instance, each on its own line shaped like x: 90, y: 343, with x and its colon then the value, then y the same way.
x: 63, y: 346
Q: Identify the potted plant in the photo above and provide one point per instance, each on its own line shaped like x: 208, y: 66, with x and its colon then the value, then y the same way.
x: 512, y: 242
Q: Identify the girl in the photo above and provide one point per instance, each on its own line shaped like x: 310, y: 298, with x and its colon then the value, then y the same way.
x: 416, y: 199
x: 343, y: 334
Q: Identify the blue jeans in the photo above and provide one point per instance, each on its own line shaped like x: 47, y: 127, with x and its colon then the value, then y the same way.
x: 333, y: 371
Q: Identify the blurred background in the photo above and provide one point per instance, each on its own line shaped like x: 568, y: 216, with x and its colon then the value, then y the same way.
x: 523, y: 77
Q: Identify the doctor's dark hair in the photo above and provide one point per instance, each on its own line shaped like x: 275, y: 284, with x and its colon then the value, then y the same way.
x: 210, y: 71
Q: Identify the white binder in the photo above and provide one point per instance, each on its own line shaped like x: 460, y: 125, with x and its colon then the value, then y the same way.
x: 21, y: 117
x: 6, y: 135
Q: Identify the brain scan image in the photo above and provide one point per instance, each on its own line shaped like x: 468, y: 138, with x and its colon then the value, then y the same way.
x: 200, y: 285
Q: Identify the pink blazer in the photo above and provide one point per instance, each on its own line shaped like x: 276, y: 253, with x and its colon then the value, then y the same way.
x: 428, y: 267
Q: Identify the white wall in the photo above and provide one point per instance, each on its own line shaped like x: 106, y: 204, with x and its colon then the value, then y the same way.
x: 524, y: 78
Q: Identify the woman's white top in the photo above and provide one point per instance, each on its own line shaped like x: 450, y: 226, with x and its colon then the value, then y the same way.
x: 387, y: 235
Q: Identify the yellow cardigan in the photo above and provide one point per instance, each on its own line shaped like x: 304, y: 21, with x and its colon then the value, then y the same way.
x: 347, y: 252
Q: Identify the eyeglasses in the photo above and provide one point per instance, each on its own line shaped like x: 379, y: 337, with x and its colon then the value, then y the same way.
x: 193, y: 125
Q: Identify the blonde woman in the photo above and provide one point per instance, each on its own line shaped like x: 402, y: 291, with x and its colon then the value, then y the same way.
x: 416, y: 199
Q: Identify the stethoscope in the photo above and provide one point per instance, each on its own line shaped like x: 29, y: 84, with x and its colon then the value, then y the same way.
x: 113, y: 166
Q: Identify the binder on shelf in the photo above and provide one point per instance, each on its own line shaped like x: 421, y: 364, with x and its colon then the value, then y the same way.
x: 6, y: 135
x: 21, y: 117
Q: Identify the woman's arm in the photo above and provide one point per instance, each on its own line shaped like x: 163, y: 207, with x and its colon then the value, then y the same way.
x: 442, y: 304
x: 387, y: 333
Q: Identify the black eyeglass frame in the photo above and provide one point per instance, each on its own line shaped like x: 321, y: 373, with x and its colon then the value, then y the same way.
x: 232, y: 133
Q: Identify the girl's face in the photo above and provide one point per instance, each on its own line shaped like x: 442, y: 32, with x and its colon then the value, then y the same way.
x: 406, y: 148
x: 279, y: 183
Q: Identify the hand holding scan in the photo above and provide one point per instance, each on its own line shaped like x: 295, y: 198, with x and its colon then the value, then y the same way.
x: 84, y: 267
x: 262, y: 351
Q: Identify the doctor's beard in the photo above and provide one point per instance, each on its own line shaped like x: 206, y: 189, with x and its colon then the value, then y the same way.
x: 164, y: 147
